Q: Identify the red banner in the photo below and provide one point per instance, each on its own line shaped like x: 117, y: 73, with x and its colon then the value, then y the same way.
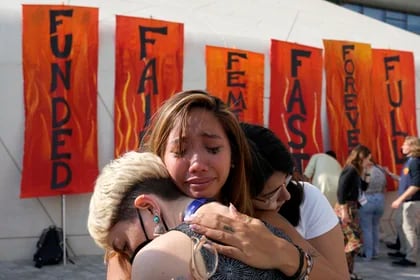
x: 60, y: 61
x: 237, y: 77
x: 393, y: 85
x: 349, y: 101
x: 295, y: 98
x: 149, y: 69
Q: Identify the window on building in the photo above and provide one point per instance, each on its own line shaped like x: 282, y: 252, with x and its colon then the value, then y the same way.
x: 413, y: 23
x: 405, y: 21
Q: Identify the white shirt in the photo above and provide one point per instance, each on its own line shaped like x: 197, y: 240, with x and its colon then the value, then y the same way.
x: 316, y: 214
x: 325, y: 172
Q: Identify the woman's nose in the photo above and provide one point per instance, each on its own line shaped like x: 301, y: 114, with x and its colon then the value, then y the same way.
x: 284, y: 195
x: 197, y: 163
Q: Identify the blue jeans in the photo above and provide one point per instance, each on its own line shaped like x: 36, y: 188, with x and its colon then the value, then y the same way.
x: 370, y: 216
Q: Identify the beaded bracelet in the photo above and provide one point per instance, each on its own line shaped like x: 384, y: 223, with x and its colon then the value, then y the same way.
x: 309, y: 265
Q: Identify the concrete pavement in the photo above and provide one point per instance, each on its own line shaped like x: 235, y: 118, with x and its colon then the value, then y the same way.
x: 92, y: 267
x: 84, y: 268
x: 382, y: 269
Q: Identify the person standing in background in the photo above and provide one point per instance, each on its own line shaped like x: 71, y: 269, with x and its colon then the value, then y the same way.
x: 351, y: 185
x: 323, y: 171
x: 372, y: 211
x: 408, y: 202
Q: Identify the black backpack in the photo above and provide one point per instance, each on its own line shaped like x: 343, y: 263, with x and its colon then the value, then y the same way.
x: 49, y: 247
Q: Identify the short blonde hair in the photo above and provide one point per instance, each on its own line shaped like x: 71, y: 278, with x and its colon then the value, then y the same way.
x: 114, y: 183
x: 414, y: 144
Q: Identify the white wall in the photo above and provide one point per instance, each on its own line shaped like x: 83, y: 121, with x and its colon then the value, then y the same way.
x: 244, y: 24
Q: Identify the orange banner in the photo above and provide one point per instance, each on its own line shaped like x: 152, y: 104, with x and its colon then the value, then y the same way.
x: 60, y: 64
x: 349, y: 101
x: 149, y: 69
x: 295, y: 98
x: 393, y: 85
x: 237, y: 77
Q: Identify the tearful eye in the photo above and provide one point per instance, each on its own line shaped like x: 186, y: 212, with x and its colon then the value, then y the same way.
x: 179, y: 153
x: 213, y: 150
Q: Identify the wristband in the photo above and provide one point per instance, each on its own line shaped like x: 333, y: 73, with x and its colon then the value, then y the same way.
x: 194, y: 205
x: 298, y: 273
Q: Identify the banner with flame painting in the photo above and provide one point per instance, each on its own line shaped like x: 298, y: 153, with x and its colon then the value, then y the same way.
x: 60, y: 64
x: 149, y: 69
x: 237, y: 77
x: 295, y: 98
x: 393, y: 85
x: 348, y: 68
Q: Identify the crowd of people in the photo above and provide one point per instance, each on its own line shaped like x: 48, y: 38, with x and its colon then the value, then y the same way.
x: 208, y: 197
x: 360, y: 188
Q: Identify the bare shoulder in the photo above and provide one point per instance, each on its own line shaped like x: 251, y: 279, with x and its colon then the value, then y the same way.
x: 166, y: 257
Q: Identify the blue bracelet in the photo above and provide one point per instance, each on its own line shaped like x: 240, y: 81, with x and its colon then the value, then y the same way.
x: 194, y: 205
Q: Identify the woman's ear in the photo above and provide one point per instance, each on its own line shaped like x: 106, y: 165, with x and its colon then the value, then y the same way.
x: 145, y: 201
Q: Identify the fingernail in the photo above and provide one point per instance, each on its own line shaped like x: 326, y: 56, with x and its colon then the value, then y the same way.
x: 233, y: 209
x: 190, y: 218
x: 195, y: 227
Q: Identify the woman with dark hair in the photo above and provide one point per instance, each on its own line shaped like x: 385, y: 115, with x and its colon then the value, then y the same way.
x: 301, y: 203
x: 350, y: 197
